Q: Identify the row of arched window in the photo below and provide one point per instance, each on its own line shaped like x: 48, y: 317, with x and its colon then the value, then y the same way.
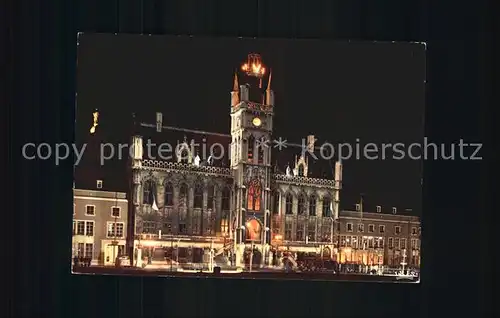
x: 149, y: 195
x: 326, y: 208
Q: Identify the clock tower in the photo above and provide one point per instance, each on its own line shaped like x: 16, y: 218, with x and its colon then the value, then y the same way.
x: 252, y: 109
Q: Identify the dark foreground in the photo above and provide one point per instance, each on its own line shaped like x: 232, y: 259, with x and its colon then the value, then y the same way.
x: 102, y: 270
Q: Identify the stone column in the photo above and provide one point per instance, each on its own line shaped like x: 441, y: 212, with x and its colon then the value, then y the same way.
x: 218, y: 211
x: 189, y: 204
x: 283, y: 214
x: 175, y: 214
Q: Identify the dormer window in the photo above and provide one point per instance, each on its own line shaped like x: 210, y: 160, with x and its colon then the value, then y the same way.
x: 301, y: 171
x: 379, y: 209
x: 394, y: 210
x: 358, y: 207
x: 99, y: 184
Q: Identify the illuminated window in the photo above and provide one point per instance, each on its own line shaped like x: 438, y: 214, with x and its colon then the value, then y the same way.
x: 302, y: 205
x: 289, y: 202
x: 80, y: 228
x: 414, y: 244
x: 89, y: 249
x: 115, y: 229
x: 83, y: 228
x: 89, y: 228
x: 81, y: 250
x: 169, y: 194
x: 254, y: 195
x: 198, y: 196
x: 250, y: 145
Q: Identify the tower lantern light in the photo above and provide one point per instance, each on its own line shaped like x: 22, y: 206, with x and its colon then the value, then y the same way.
x: 254, y: 66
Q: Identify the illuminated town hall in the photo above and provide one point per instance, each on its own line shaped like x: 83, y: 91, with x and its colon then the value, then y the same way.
x: 241, y: 209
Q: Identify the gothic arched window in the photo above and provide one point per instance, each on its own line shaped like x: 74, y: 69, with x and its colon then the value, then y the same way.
x: 327, y: 211
x: 254, y: 195
x: 198, y: 196
x: 225, y: 199
x: 301, y: 170
x: 183, y: 191
x: 211, y: 197
x: 261, y: 145
x: 169, y: 194
x: 312, y: 206
x: 289, y: 203
x: 302, y: 205
x: 148, y: 192
x: 250, y: 145
x: 276, y: 203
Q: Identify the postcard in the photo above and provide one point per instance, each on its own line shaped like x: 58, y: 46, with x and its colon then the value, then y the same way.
x: 249, y: 158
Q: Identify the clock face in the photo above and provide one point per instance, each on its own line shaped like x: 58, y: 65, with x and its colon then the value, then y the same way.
x: 256, y: 122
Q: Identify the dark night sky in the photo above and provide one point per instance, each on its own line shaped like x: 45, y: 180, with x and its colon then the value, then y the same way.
x: 338, y: 91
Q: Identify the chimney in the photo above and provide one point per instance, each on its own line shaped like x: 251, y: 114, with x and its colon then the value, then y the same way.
x: 159, y: 121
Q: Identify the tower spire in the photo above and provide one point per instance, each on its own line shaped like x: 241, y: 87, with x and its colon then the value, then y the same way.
x: 269, y: 91
x: 235, y: 83
x: 235, y: 94
x: 269, y: 80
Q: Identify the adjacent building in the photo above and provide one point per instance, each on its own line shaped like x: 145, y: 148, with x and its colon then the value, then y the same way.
x: 99, y: 224
x: 376, y: 238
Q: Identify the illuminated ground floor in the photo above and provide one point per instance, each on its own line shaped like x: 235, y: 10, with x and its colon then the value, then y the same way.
x: 181, y: 250
x: 97, y: 251
x: 371, y: 257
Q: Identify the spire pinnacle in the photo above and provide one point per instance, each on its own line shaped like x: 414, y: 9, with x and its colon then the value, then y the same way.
x: 269, y: 80
x: 235, y: 84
